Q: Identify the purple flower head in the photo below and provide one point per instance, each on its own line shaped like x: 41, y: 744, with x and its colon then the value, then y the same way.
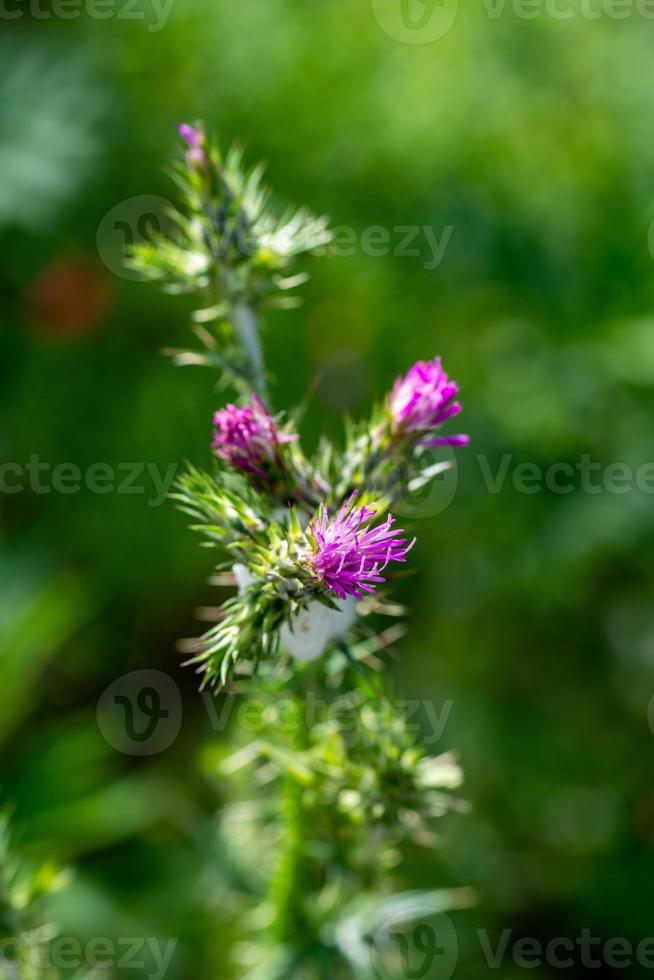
x: 424, y: 399
x: 248, y: 438
x: 349, y: 557
x: 191, y: 136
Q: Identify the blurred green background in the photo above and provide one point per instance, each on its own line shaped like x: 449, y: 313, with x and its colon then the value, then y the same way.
x: 531, y: 139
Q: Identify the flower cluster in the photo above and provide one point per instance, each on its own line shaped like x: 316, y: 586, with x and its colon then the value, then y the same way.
x: 422, y: 401
x: 313, y: 557
x: 348, y: 556
x: 289, y: 524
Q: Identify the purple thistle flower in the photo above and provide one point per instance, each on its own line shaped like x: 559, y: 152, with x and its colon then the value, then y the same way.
x: 424, y: 399
x: 348, y: 557
x: 191, y: 136
x: 248, y: 438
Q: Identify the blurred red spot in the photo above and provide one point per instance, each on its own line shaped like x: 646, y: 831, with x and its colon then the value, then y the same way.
x: 68, y: 298
x: 644, y: 817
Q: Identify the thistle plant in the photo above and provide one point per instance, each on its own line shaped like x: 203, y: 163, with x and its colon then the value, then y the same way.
x: 309, y: 547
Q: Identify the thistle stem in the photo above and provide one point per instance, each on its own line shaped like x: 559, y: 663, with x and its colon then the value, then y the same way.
x: 288, y: 885
x: 246, y: 324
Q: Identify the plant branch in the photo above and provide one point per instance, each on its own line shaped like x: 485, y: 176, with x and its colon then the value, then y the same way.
x: 246, y: 324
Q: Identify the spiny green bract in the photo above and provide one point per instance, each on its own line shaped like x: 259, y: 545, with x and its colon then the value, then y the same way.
x: 271, y: 545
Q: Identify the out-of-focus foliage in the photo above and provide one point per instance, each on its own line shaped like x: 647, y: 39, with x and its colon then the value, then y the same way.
x: 48, y: 125
x: 26, y: 937
x: 331, y: 801
x: 532, y: 611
